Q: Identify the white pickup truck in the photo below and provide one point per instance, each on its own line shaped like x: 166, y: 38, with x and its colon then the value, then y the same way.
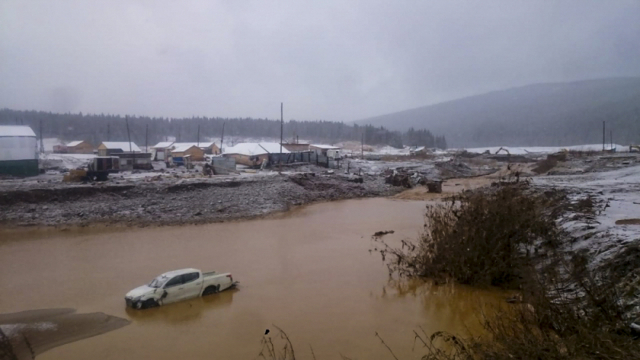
x: 176, y: 286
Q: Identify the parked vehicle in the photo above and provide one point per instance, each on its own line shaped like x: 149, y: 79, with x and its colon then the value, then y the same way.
x: 176, y: 286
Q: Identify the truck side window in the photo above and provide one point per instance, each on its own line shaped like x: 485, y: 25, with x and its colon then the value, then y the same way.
x: 173, y: 282
x: 190, y: 277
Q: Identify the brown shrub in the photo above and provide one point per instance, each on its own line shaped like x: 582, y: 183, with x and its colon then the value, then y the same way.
x: 545, y: 165
x: 478, y: 238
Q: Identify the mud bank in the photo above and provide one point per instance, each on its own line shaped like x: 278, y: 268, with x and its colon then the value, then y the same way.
x: 26, y: 334
x: 185, y: 202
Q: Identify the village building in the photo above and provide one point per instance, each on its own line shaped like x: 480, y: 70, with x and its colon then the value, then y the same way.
x: 181, y: 151
x: 209, y: 148
x: 296, y: 147
x: 79, y: 147
x: 254, y: 154
x: 134, y: 160
x: 108, y: 148
x: 18, y: 154
x: 330, y: 151
x: 161, y: 150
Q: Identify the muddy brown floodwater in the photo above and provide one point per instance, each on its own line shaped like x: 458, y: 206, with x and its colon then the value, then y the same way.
x: 308, y: 271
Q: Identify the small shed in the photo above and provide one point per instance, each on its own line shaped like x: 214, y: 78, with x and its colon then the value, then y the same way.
x: 161, y: 150
x: 330, y: 151
x: 181, y: 150
x: 79, y: 147
x: 134, y: 160
x: 253, y: 154
x: 108, y: 148
x: 18, y: 151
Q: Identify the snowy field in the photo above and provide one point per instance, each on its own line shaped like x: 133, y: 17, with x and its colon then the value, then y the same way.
x: 65, y: 161
x: 521, y: 150
x: 619, y: 191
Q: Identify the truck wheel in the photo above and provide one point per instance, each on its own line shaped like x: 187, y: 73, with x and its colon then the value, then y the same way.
x: 210, y: 290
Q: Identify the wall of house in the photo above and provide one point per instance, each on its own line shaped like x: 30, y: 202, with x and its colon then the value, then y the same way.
x: 245, y: 159
x: 82, y: 148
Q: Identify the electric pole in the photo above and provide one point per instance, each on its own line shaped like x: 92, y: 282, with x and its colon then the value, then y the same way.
x: 41, y: 142
x: 603, y: 135
x: 362, y: 146
x: 281, y: 127
x: 198, y: 136
x: 222, y: 138
x: 146, y: 139
x: 108, y: 131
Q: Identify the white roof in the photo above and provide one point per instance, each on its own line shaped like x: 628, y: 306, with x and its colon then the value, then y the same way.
x: 16, y: 130
x: 201, y: 145
x: 255, y: 149
x: 326, y: 147
x: 75, y: 143
x: 180, y: 147
x: 162, y: 145
x: 179, y: 272
x: 123, y: 145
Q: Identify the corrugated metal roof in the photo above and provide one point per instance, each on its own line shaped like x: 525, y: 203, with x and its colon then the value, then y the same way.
x: 16, y: 130
x: 75, y: 143
x: 251, y: 149
x: 162, y: 145
x: 123, y: 145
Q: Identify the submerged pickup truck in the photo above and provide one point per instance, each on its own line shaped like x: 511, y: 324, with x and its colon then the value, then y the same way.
x: 176, y: 286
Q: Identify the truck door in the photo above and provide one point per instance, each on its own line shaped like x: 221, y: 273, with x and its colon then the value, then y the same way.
x: 192, y: 285
x: 173, y: 290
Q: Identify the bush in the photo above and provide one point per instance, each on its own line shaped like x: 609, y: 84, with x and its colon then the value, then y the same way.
x: 478, y: 238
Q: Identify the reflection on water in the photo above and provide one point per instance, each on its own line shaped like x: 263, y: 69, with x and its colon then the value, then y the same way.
x: 26, y: 334
x: 308, y: 272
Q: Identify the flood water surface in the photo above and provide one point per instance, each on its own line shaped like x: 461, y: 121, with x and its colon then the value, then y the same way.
x: 309, y: 272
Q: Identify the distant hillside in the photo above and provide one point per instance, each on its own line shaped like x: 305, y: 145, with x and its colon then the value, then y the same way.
x: 550, y: 114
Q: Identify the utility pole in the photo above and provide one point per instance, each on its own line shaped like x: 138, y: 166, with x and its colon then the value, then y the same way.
x: 146, y: 139
x: 362, y: 146
x: 603, y: 135
x: 611, y: 138
x: 41, y: 142
x: 222, y: 138
x: 281, y: 127
x: 126, y: 119
x: 108, y: 130
x: 198, y: 136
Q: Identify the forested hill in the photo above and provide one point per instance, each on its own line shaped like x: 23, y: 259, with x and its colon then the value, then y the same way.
x: 552, y: 114
x: 97, y: 128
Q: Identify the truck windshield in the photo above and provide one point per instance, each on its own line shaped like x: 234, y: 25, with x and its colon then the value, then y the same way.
x: 158, y: 282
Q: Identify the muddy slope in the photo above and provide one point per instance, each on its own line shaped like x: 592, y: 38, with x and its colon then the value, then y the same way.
x: 199, y: 201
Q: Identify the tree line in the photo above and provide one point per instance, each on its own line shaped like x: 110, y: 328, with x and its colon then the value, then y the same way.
x: 96, y: 128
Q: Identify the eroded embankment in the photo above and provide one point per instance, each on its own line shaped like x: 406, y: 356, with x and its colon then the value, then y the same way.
x: 199, y: 201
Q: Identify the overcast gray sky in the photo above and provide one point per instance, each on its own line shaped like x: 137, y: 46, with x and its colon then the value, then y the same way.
x: 330, y: 59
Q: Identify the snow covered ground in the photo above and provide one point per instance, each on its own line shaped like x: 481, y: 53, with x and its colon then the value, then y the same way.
x: 619, y: 191
x: 521, y: 150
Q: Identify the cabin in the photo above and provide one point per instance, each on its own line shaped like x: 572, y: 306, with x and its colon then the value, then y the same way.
x: 209, y: 148
x: 79, y: 147
x: 108, y: 148
x: 161, y: 150
x: 18, y: 151
x: 181, y: 151
x: 254, y: 154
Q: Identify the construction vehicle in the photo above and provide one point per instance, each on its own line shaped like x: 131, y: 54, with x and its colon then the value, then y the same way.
x: 97, y: 170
